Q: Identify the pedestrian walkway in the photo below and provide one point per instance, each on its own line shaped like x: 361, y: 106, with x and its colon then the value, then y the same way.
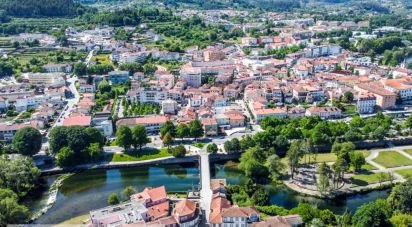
x: 205, y: 192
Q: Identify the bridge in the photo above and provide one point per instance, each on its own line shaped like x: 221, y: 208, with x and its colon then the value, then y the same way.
x: 206, y: 193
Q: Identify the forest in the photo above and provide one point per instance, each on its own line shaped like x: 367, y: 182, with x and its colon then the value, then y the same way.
x: 41, y: 8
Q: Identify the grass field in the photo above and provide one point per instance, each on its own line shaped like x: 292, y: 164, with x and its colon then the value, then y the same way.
x: 409, y: 151
x: 102, y: 58
x: 407, y: 173
x: 198, y: 145
x: 329, y: 157
x: 137, y: 155
x: 368, y: 178
x: 390, y: 159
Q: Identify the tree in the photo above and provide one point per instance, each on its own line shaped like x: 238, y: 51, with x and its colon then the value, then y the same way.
x: 274, y: 166
x: 11, y: 212
x: 140, y: 137
x: 252, y: 164
x: 94, y: 136
x: 124, y: 137
x: 179, y: 151
x: 212, y: 148
x: 19, y: 174
x: 104, y: 87
x: 27, y: 141
x: 339, y: 169
x: 228, y: 146
x: 373, y: 214
x: 95, y: 151
x: 65, y: 157
x: 306, y: 211
x: 408, y: 123
x: 80, y: 69
x: 316, y: 222
x: 128, y: 192
x: 168, y: 127
x: 401, y: 220
x: 293, y: 155
x: 348, y: 97
x: 260, y: 197
x: 196, y: 129
x: 323, y: 181
x: 57, y: 138
x: 357, y: 160
x: 167, y: 140
x: 182, y: 131
x: 401, y: 197
x: 112, y: 199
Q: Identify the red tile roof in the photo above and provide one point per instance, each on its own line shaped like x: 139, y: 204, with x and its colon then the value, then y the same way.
x: 77, y: 121
x: 184, y: 207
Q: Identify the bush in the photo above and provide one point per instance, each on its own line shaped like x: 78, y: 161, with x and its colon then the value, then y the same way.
x: 113, y: 199
x: 179, y: 151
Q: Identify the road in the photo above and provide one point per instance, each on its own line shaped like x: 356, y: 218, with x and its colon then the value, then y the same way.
x: 66, y: 110
x: 70, y: 102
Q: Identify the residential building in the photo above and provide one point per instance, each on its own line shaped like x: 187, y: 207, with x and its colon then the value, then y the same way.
x: 120, y: 214
x: 46, y: 79
x: 186, y: 213
x: 210, y: 126
x: 213, y: 55
x: 79, y: 120
x: 402, y: 87
x: 118, y: 77
x: 57, y: 68
x: 366, y: 103
x: 169, y: 106
x: 324, y: 112
x: 281, y: 221
x: 192, y: 77
x: 384, y: 99
x: 151, y: 123
x: 8, y: 129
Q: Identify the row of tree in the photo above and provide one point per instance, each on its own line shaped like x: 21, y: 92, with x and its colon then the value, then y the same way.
x: 75, y: 145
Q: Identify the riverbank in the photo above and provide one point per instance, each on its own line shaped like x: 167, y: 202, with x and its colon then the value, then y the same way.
x: 157, y: 161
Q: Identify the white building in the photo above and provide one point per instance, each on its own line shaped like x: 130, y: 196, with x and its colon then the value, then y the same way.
x: 192, y: 77
x: 366, y: 103
x: 169, y: 106
x: 46, y: 79
x: 147, y: 95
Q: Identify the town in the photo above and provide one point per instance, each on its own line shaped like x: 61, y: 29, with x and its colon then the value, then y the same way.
x: 204, y: 117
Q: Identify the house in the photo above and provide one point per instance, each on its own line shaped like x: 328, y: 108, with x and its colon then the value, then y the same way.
x: 218, y: 186
x: 239, y: 216
x: 186, y: 213
x: 151, y: 123
x: 281, y: 221
x: 261, y: 114
x: 84, y: 121
x: 118, y: 77
x: 155, y: 200
x: 210, y: 126
x: 120, y: 214
x: 324, y: 112
x: 7, y: 129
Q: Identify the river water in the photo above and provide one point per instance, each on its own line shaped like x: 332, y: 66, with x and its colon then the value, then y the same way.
x: 89, y: 190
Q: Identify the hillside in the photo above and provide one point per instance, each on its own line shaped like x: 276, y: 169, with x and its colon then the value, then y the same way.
x: 40, y: 8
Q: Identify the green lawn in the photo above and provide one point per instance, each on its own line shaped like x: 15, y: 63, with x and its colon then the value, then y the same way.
x: 199, y: 145
x: 102, y: 58
x: 350, y: 109
x: 390, y: 159
x: 145, y: 154
x: 368, y: 178
x: 368, y: 166
x: 407, y: 173
x: 329, y: 157
x: 409, y: 151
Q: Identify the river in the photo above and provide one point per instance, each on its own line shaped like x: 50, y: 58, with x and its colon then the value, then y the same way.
x: 88, y: 190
